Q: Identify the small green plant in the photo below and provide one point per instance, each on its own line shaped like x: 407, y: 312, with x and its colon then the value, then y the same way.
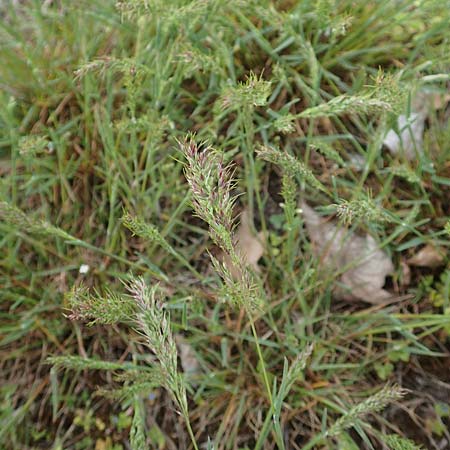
x: 211, y: 184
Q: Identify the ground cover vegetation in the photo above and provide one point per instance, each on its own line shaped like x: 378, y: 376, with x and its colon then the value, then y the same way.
x: 224, y: 224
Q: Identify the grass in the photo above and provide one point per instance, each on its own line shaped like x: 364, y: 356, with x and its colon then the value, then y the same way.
x: 95, y: 99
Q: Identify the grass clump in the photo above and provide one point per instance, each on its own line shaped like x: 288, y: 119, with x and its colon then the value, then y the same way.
x: 133, y: 135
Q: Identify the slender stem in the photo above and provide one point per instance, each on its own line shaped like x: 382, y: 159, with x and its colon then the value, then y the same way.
x: 271, y: 413
x: 266, y: 380
x: 250, y: 171
x: 250, y: 168
x: 191, y: 433
x: 261, y: 359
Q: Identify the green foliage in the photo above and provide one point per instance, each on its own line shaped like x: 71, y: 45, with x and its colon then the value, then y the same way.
x: 93, y: 97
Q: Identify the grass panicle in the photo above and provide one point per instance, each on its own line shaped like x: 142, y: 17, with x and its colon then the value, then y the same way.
x: 291, y: 166
x: 137, y: 433
x: 373, y: 404
x: 365, y: 209
x: 253, y: 92
x: 154, y: 323
x: 211, y: 183
x: 14, y: 217
x: 396, y: 442
x: 146, y: 231
x: 106, y: 308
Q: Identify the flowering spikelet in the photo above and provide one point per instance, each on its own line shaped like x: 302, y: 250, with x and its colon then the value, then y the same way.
x: 299, y: 364
x: 290, y: 165
x: 285, y: 124
x: 447, y: 227
x: 375, y: 403
x: 327, y: 150
x: 33, y: 145
x: 253, y: 92
x: 14, y: 216
x: 107, y: 308
x: 211, y: 183
x: 145, y: 230
x: 364, y: 208
x: 396, y: 442
x: 153, y: 322
x: 239, y: 292
x: 363, y: 104
x: 292, y: 374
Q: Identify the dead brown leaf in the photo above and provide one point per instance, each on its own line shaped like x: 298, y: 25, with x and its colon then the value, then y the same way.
x: 188, y: 359
x: 248, y: 245
x: 408, y: 137
x: 428, y: 256
x: 426, y: 99
x: 405, y: 279
x: 363, y: 265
